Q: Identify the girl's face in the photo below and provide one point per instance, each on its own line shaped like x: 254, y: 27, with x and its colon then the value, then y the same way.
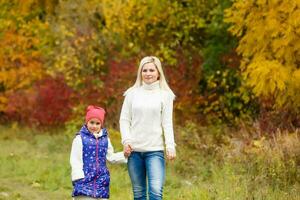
x: 94, y: 125
x: 149, y: 73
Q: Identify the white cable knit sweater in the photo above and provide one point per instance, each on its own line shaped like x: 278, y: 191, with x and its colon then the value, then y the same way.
x: 146, y: 117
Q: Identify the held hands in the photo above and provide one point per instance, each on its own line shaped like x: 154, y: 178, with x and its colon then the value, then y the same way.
x: 127, y: 150
x: 171, y: 154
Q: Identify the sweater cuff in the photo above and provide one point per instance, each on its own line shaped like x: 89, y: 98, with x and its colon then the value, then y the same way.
x: 126, y: 141
x: 171, y: 149
x: 77, y: 174
x: 117, y: 158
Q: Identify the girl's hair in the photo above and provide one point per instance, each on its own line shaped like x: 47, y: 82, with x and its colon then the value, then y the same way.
x: 162, y: 80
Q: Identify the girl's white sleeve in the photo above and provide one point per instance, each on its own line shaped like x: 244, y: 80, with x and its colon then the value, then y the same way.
x: 76, y: 160
x: 125, y: 120
x: 167, y: 122
x: 115, y: 158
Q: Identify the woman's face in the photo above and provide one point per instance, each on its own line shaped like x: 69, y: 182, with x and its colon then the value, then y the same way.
x: 94, y: 125
x: 149, y: 73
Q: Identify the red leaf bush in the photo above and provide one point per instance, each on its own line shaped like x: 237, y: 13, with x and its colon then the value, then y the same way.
x: 47, y: 104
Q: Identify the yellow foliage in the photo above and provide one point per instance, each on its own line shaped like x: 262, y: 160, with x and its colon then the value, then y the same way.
x: 152, y: 25
x: 266, y: 77
x: 270, y: 46
x: 20, y: 58
x: 79, y: 48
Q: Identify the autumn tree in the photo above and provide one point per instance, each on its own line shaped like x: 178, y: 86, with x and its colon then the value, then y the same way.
x: 22, y: 39
x: 78, y: 51
x: 157, y: 27
x: 269, y: 43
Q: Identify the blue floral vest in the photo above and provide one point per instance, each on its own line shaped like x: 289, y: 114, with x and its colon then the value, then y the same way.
x: 96, y: 175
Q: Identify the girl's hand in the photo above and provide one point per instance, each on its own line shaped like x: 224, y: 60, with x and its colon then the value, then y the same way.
x: 171, y: 154
x: 127, y: 150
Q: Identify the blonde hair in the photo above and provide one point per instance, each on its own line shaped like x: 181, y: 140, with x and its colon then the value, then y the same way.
x: 162, y: 80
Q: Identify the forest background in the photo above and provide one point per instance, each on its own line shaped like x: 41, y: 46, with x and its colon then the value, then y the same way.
x: 234, y: 66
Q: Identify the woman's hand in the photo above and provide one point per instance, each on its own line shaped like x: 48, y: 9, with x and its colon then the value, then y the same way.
x: 171, y: 154
x: 127, y: 150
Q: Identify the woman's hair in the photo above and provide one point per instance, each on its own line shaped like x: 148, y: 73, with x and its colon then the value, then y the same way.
x: 162, y: 80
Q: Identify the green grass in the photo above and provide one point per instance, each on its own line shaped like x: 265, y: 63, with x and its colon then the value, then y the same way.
x: 35, y: 165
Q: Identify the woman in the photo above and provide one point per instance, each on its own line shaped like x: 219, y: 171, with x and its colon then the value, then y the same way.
x: 146, y: 118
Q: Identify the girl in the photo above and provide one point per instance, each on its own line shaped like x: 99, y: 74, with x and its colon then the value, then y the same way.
x: 90, y: 149
x: 146, y: 127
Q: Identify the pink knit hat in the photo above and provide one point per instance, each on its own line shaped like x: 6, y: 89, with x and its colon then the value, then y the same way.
x: 94, y: 112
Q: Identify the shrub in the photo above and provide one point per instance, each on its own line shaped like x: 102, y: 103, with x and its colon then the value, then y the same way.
x: 47, y: 103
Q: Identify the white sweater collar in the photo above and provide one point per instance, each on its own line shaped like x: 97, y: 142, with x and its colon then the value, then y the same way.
x: 152, y: 86
x: 99, y: 134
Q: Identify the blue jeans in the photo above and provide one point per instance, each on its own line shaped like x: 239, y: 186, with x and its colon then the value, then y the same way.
x: 149, y: 166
